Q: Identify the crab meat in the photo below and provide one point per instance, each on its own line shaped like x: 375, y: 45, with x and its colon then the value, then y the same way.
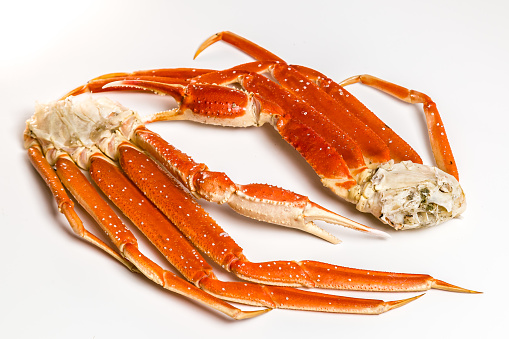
x: 407, y: 195
x: 81, y: 127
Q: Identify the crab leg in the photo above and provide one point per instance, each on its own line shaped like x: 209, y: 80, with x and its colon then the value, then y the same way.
x: 438, y: 138
x: 99, y: 84
x: 259, y: 201
x: 246, y: 46
x: 210, y: 238
x: 189, y: 262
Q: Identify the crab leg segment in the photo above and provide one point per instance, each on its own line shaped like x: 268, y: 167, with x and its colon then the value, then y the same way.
x: 438, y: 138
x: 211, y: 239
x: 259, y: 201
x: 189, y: 262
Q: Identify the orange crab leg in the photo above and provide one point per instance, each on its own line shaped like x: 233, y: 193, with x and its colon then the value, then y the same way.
x: 286, y: 208
x: 99, y: 84
x: 210, y: 238
x: 170, y: 242
x: 436, y: 131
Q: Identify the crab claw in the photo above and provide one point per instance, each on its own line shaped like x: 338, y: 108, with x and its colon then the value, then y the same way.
x: 407, y: 195
x: 258, y: 201
x: 279, y: 206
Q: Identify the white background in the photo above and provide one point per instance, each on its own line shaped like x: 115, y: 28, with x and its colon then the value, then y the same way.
x: 53, y: 285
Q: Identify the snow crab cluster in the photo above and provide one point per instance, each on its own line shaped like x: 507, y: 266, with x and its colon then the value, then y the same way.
x: 156, y: 186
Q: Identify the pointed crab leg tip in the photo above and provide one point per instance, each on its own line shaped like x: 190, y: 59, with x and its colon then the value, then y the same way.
x: 317, y: 212
x: 379, y: 233
x: 335, y: 241
x: 442, y: 285
x: 390, y: 305
x: 366, y: 229
x: 211, y: 40
x: 250, y: 314
x: 74, y: 92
